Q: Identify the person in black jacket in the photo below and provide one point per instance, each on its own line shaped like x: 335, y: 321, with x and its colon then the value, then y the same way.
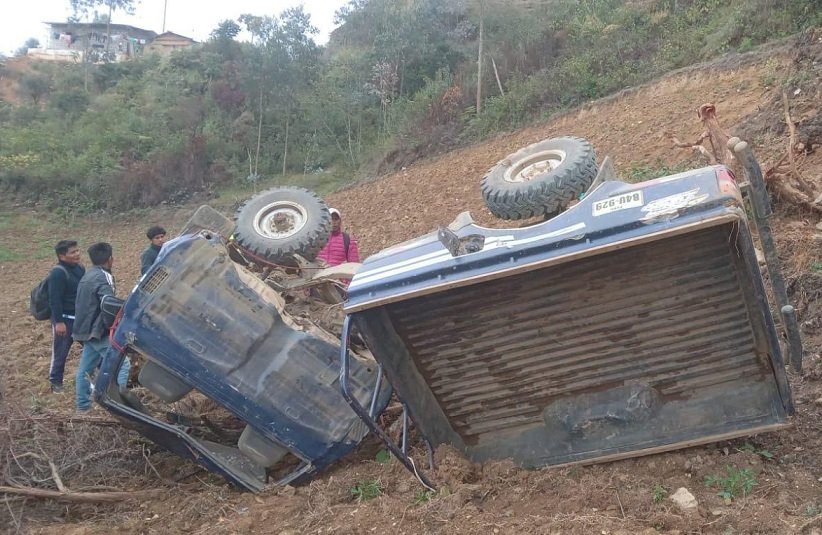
x: 62, y: 284
x: 89, y: 325
x: 157, y: 235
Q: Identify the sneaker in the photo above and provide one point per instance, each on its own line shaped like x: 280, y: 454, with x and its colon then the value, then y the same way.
x: 56, y: 388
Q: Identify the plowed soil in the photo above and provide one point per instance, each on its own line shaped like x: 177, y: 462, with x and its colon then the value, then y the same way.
x: 633, y: 496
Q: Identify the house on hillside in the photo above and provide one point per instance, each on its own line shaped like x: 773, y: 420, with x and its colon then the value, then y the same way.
x: 72, y: 41
x: 168, y: 42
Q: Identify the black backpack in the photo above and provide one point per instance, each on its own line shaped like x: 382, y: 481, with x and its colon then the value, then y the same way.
x: 346, y: 244
x: 39, y: 302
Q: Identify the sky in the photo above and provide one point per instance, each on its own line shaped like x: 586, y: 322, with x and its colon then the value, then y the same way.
x: 21, y: 19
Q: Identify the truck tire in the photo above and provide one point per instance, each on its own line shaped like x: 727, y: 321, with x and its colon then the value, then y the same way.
x: 540, y: 179
x: 280, y: 222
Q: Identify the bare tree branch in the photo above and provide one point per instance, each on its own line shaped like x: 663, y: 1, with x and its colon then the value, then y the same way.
x: 79, y: 497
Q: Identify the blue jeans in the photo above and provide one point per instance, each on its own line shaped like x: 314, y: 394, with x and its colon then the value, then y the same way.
x: 60, y: 347
x: 93, y: 353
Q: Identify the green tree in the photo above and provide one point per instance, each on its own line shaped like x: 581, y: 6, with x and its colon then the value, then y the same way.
x: 225, y: 31
x: 339, y: 106
x: 31, y: 42
x: 296, y: 60
x: 282, y: 64
x: 35, y: 86
x: 71, y: 103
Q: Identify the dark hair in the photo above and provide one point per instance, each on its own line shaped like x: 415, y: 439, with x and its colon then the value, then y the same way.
x: 63, y: 246
x: 99, y: 253
x: 155, y: 231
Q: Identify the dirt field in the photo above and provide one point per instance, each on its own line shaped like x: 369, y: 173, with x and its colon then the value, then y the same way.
x: 93, y: 454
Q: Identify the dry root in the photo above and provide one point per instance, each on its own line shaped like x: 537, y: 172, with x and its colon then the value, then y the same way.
x: 783, y: 178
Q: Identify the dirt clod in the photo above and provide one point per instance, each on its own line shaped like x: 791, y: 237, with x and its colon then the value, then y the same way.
x: 685, y: 500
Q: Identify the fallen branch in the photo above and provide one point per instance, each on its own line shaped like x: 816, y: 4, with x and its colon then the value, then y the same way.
x: 57, y: 479
x: 78, y: 497
x: 806, y: 188
x: 60, y: 419
x: 696, y: 146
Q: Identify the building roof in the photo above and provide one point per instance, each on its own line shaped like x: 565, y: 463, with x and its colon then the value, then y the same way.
x: 101, y: 25
x: 172, y: 34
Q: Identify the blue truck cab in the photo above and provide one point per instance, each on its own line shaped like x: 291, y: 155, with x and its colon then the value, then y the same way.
x: 206, y: 324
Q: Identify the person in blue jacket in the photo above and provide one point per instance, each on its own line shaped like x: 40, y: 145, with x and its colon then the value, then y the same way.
x: 62, y: 284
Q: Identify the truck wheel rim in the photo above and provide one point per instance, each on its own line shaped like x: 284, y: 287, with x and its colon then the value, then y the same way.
x: 528, y: 168
x: 280, y: 220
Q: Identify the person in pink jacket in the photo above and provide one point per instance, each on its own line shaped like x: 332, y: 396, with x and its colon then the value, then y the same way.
x: 341, y: 247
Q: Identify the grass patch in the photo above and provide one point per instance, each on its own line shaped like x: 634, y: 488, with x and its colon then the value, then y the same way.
x: 660, y: 493
x: 641, y: 173
x: 750, y: 448
x: 383, y: 457
x: 737, y: 482
x: 324, y: 183
x: 366, y: 490
x: 423, y: 496
x: 28, y: 237
x: 7, y: 255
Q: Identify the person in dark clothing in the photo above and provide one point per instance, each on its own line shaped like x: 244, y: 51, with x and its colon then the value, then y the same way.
x: 62, y: 284
x: 157, y: 235
x: 89, y: 325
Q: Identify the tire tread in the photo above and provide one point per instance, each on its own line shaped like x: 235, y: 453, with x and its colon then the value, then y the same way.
x: 546, y: 195
x: 306, y: 244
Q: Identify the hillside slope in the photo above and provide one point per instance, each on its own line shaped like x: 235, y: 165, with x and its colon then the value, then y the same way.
x: 630, y: 127
x: 621, y: 498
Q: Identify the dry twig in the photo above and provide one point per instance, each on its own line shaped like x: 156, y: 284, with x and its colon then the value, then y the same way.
x: 14, y: 519
x: 56, y: 476
x: 696, y: 146
x: 619, y: 500
x: 78, y: 497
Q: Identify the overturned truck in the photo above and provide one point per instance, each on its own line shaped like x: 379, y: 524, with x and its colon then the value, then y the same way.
x: 635, y: 321
x: 213, y: 334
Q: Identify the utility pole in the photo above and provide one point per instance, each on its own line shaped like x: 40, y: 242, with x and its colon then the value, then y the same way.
x: 479, y: 62
x: 165, y: 9
x: 108, y: 26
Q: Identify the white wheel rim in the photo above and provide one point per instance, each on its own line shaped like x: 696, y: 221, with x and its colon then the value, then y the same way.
x: 280, y: 220
x: 526, y: 169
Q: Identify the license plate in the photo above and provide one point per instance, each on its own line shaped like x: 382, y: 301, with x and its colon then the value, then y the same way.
x: 619, y: 202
